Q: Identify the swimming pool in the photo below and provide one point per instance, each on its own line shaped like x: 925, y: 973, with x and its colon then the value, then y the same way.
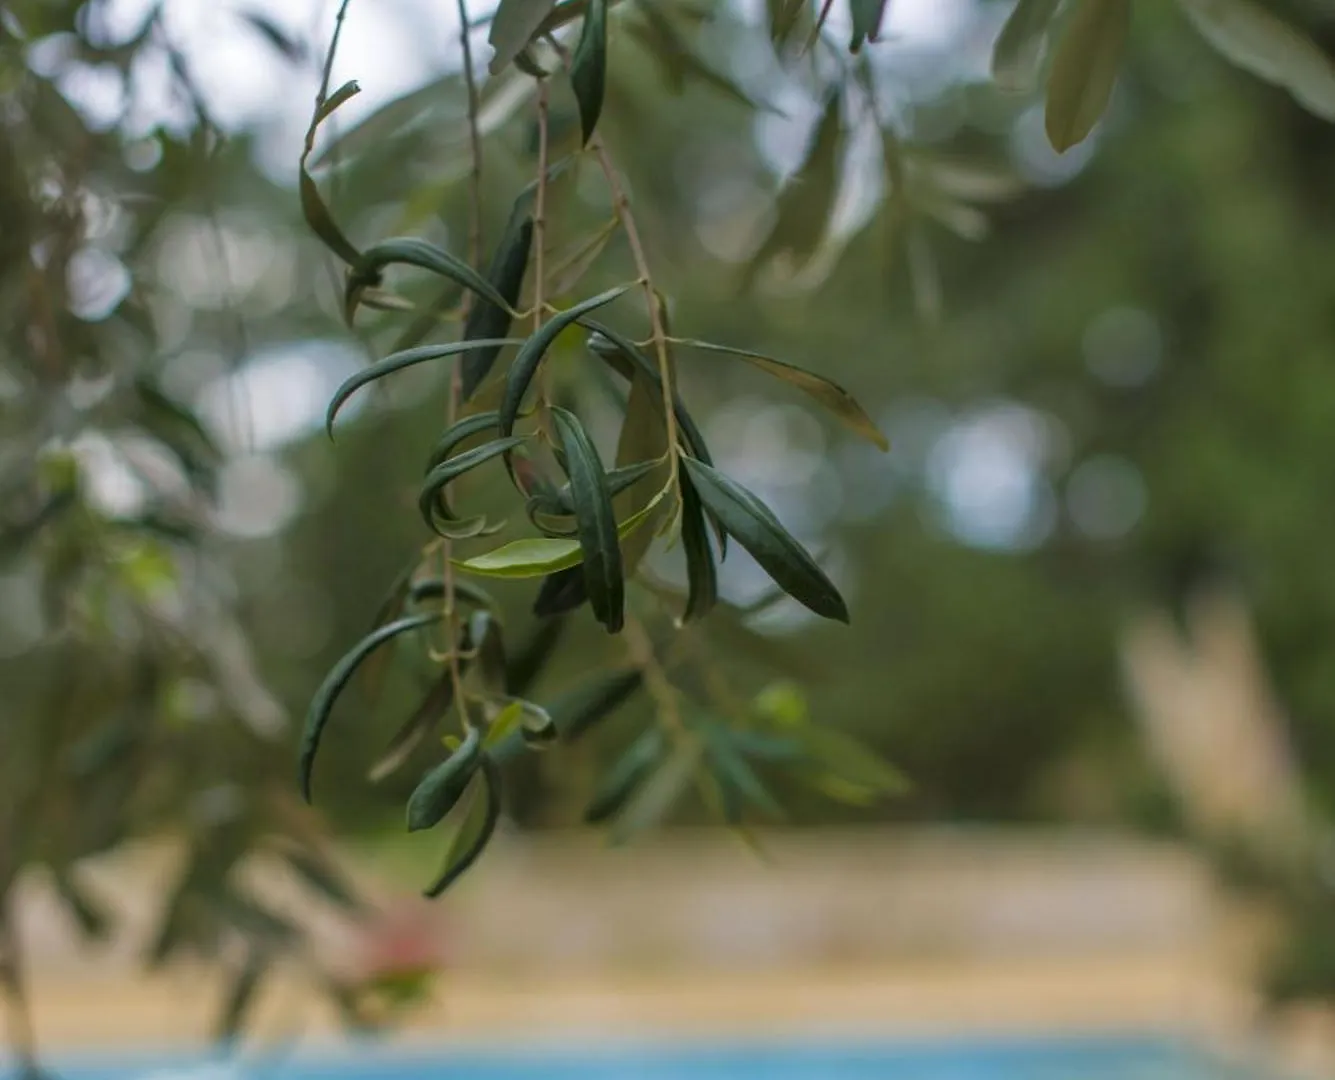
x: 1047, y: 1059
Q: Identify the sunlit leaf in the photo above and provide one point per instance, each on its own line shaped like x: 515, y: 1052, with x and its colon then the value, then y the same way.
x: 825, y: 391
x: 1084, y: 70
x: 753, y: 525
x: 525, y: 365
x: 487, y: 321
x: 410, y: 251
x: 443, y: 786
x: 603, y: 574
x: 507, y: 723
x: 1248, y: 35
x: 317, y: 716
x: 482, y: 810
x: 398, y: 362
x: 1019, y: 46
x: 588, y: 67
x: 513, y: 27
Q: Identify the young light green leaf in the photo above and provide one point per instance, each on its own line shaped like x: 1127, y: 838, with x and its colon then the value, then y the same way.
x: 513, y: 27
x: 856, y: 766
x: 432, y: 501
x: 507, y: 723
x: 410, y: 251
x: 1248, y: 35
x: 322, y: 704
x: 405, y: 359
x: 1084, y: 70
x: 867, y: 16
x: 701, y: 573
x: 752, y: 524
x: 487, y: 321
x: 442, y: 787
x: 1019, y: 46
x: 825, y: 391
x: 625, y: 776
x: 530, y: 356
x: 481, y: 813
x: 603, y: 574
x: 588, y: 67
x: 464, y: 591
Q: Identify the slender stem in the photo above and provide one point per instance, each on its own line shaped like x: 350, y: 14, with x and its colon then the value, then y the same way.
x: 540, y: 229
x: 474, y: 143
x: 621, y: 204
x: 333, y: 51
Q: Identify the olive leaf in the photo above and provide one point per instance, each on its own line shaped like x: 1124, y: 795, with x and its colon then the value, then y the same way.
x: 561, y: 592
x: 756, y: 528
x: 578, y: 710
x: 418, y: 726
x: 432, y: 502
x: 322, y: 876
x: 1248, y: 35
x: 487, y: 644
x: 625, y: 776
x: 513, y: 27
x: 400, y: 360
x: 1019, y: 46
x: 410, y: 251
x: 459, y: 432
x: 588, y: 67
x: 487, y: 322
x: 592, y: 499
x: 525, y: 365
x: 734, y: 775
x: 442, y: 787
x: 824, y: 391
x: 561, y: 501
x: 653, y: 799
x: 867, y: 16
x: 322, y: 704
x: 1084, y: 70
x: 313, y: 207
x: 482, y: 810
x: 701, y: 573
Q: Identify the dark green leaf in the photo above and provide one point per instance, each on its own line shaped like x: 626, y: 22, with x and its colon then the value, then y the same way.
x: 513, y: 27
x: 475, y: 831
x: 241, y: 994
x: 526, y: 558
x: 487, y: 321
x: 1020, y: 45
x: 750, y: 521
x: 418, y: 726
x: 410, y: 251
x: 562, y: 592
x: 578, y: 710
x: 701, y: 573
x: 1084, y: 70
x: 405, y: 359
x: 867, y: 16
x: 625, y: 776
x: 1254, y: 39
x: 525, y: 365
x: 678, y: 60
x: 828, y: 393
x: 603, y: 574
x: 561, y: 501
x: 525, y: 665
x: 317, y: 716
x: 464, y: 591
x: 442, y: 787
x: 459, y: 432
x: 322, y: 876
x: 275, y: 35
x: 654, y: 799
x: 432, y: 502
x: 588, y: 68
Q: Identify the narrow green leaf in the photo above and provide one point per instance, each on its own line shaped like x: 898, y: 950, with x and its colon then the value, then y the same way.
x: 603, y: 573
x: 322, y: 876
x: 487, y: 321
x: 578, y: 710
x: 442, y: 787
x: 317, y: 716
x: 625, y: 776
x: 824, y: 391
x: 1019, y: 46
x: 588, y: 67
x: 464, y: 591
x: 1084, y: 70
x: 400, y: 360
x: 525, y: 365
x: 482, y: 813
x: 756, y: 528
x: 513, y: 27
x: 414, y: 731
x: 409, y: 251
x: 562, y: 592
x: 432, y: 502
x: 652, y: 802
x: 459, y: 432
x: 1248, y: 35
x: 701, y: 573
x: 867, y: 16
x: 313, y: 207
x: 561, y: 501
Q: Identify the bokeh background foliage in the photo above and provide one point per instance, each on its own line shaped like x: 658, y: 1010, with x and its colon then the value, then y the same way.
x: 1103, y: 374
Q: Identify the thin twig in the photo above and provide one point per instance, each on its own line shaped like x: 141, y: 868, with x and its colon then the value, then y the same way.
x: 540, y: 208
x: 474, y: 142
x: 329, y: 56
x: 655, y: 678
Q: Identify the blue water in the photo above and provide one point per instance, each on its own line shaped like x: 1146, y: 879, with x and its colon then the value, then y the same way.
x: 1076, y: 1059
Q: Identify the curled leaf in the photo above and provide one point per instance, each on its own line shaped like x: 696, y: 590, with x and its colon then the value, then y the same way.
x: 513, y: 27
x: 397, y: 362
x: 409, y: 251
x: 442, y: 787
x: 562, y: 592
x: 432, y: 503
x: 322, y: 704
x: 756, y: 528
x: 603, y: 574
